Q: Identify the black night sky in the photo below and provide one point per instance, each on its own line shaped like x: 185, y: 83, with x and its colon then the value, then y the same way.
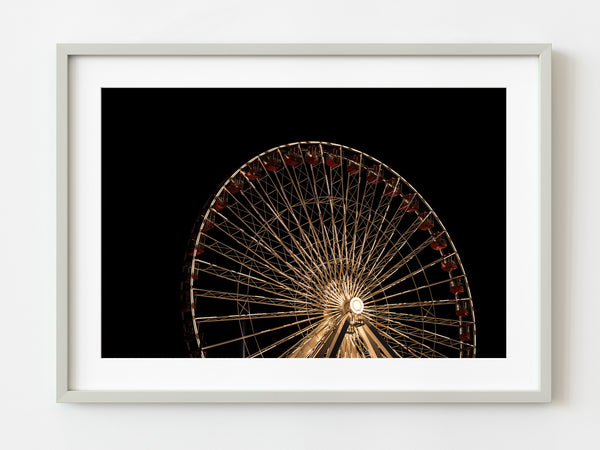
x: 165, y: 150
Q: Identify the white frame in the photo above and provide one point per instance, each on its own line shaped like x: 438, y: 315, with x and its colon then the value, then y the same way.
x: 65, y: 51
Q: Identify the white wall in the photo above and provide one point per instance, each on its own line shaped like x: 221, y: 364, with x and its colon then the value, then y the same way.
x: 30, y: 419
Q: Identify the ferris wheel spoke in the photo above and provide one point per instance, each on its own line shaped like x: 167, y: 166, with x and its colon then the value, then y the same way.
x: 372, y: 213
x: 254, y: 316
x: 421, y: 304
x: 301, y: 249
x: 411, y: 274
x: 420, y: 333
x: 276, y: 273
x: 332, y: 212
x: 351, y: 207
x: 314, y: 344
x: 329, y: 240
x: 252, y: 213
x: 274, y: 276
x: 352, y: 214
x: 325, y: 239
x: 290, y: 351
x: 372, y: 246
x: 293, y: 196
x: 248, y: 280
x: 258, y: 333
x: 418, y: 288
x: 310, y: 243
x: 409, y: 343
x: 381, y: 244
x: 298, y: 188
x: 429, y: 310
x: 378, y: 278
x: 419, y: 339
x: 358, y: 209
x: 345, y: 213
x: 282, y: 341
x: 373, y: 342
x: 428, y: 319
x: 422, y: 350
x: 274, y: 212
x: 390, y: 340
x: 280, y: 302
x: 386, y: 257
x: 272, y: 248
x: 362, y: 225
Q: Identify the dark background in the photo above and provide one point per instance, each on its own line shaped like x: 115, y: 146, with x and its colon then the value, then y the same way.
x: 165, y: 150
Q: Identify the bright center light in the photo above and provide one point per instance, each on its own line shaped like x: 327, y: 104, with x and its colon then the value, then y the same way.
x: 356, y: 305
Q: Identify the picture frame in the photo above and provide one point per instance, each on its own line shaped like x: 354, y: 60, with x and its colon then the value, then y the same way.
x: 69, y: 192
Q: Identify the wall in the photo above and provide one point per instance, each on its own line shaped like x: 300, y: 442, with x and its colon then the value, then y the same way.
x: 31, y: 419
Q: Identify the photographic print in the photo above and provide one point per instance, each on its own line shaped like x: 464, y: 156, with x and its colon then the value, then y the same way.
x: 303, y: 222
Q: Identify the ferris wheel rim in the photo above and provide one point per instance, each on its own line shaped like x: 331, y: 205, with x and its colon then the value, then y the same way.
x: 343, y: 149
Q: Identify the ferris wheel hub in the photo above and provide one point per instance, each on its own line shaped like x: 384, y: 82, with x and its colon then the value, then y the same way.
x: 356, y: 305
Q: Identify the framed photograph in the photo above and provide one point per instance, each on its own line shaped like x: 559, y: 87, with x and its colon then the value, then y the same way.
x: 303, y: 223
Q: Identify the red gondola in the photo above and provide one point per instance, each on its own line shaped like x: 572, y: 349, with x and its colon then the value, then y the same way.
x: 354, y: 165
x: 209, y: 224
x: 439, y: 243
x: 428, y: 222
x: 272, y: 162
x: 456, y: 287
x: 236, y: 185
x: 410, y: 203
x: 199, y: 250
x: 253, y: 171
x: 197, y: 353
x: 449, y: 264
x: 462, y: 309
x: 333, y: 157
x: 313, y: 155
x: 220, y: 203
x: 292, y: 157
x: 374, y: 174
x: 393, y: 188
x: 465, y: 333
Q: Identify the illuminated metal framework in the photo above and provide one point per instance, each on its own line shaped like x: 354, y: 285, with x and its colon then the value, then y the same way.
x: 315, y: 249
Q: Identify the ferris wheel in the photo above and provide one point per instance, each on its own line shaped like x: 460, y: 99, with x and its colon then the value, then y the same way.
x: 314, y: 249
